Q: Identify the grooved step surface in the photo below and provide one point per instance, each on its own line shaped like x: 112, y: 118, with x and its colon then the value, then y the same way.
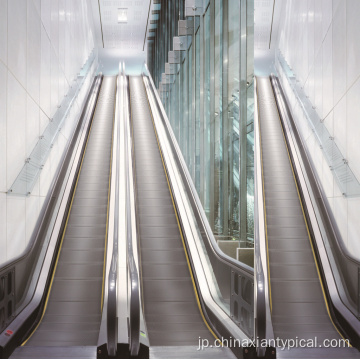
x: 298, y: 305
x: 190, y: 352
x: 72, y: 318
x: 171, y: 312
x: 55, y: 352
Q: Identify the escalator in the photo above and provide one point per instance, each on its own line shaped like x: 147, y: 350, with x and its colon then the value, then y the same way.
x: 72, y: 311
x: 297, y: 291
x: 117, y: 181
x: 298, y: 304
x: 171, y: 305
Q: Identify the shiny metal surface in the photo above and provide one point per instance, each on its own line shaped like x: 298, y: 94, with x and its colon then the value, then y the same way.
x: 133, y: 271
x: 263, y: 325
x: 112, y: 281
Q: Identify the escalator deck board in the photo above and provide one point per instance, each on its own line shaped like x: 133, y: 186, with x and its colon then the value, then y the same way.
x: 72, y: 316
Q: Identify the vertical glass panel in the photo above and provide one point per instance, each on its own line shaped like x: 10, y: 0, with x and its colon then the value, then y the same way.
x: 218, y: 201
x: 212, y: 116
x: 250, y: 123
x: 250, y: 40
x: 206, y: 134
x: 191, y: 135
x: 250, y: 187
x: 184, y: 111
x: 177, y: 110
x: 233, y: 115
x: 197, y: 111
x: 250, y: 166
x: 173, y: 107
x: 181, y: 108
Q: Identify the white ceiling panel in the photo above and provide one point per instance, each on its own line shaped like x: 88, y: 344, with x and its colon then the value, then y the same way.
x: 266, y: 23
x: 112, y: 34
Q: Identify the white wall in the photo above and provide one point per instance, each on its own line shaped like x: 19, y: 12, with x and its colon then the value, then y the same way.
x: 43, y: 44
x: 267, y: 19
x: 109, y: 60
x: 320, y: 41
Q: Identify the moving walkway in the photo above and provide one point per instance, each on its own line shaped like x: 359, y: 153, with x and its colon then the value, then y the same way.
x: 123, y: 258
x: 73, y: 311
x: 298, y: 296
x: 185, y: 281
x: 124, y: 262
x: 63, y: 315
x: 172, y: 314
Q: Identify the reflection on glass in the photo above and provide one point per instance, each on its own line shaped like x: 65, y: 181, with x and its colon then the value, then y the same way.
x: 250, y: 166
x: 206, y: 135
x: 233, y: 118
x: 191, y: 135
x: 211, y: 106
x: 218, y: 126
x: 197, y: 111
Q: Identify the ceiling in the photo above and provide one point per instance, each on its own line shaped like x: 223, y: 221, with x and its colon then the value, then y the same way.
x: 266, y: 26
x: 110, y: 33
x: 121, y: 41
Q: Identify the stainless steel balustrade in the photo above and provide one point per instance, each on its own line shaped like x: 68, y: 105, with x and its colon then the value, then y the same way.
x: 112, y: 278
x: 133, y: 271
x: 263, y: 326
x: 120, y: 329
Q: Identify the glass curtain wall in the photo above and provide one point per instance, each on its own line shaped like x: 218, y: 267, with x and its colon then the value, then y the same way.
x: 210, y: 104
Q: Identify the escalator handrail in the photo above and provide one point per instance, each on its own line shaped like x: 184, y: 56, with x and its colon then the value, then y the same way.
x: 135, y: 306
x: 241, y: 267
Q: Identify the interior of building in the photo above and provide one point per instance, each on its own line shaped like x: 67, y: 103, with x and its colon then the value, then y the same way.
x: 179, y: 179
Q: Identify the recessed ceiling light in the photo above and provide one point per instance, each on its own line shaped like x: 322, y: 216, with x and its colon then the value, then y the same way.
x: 122, y: 15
